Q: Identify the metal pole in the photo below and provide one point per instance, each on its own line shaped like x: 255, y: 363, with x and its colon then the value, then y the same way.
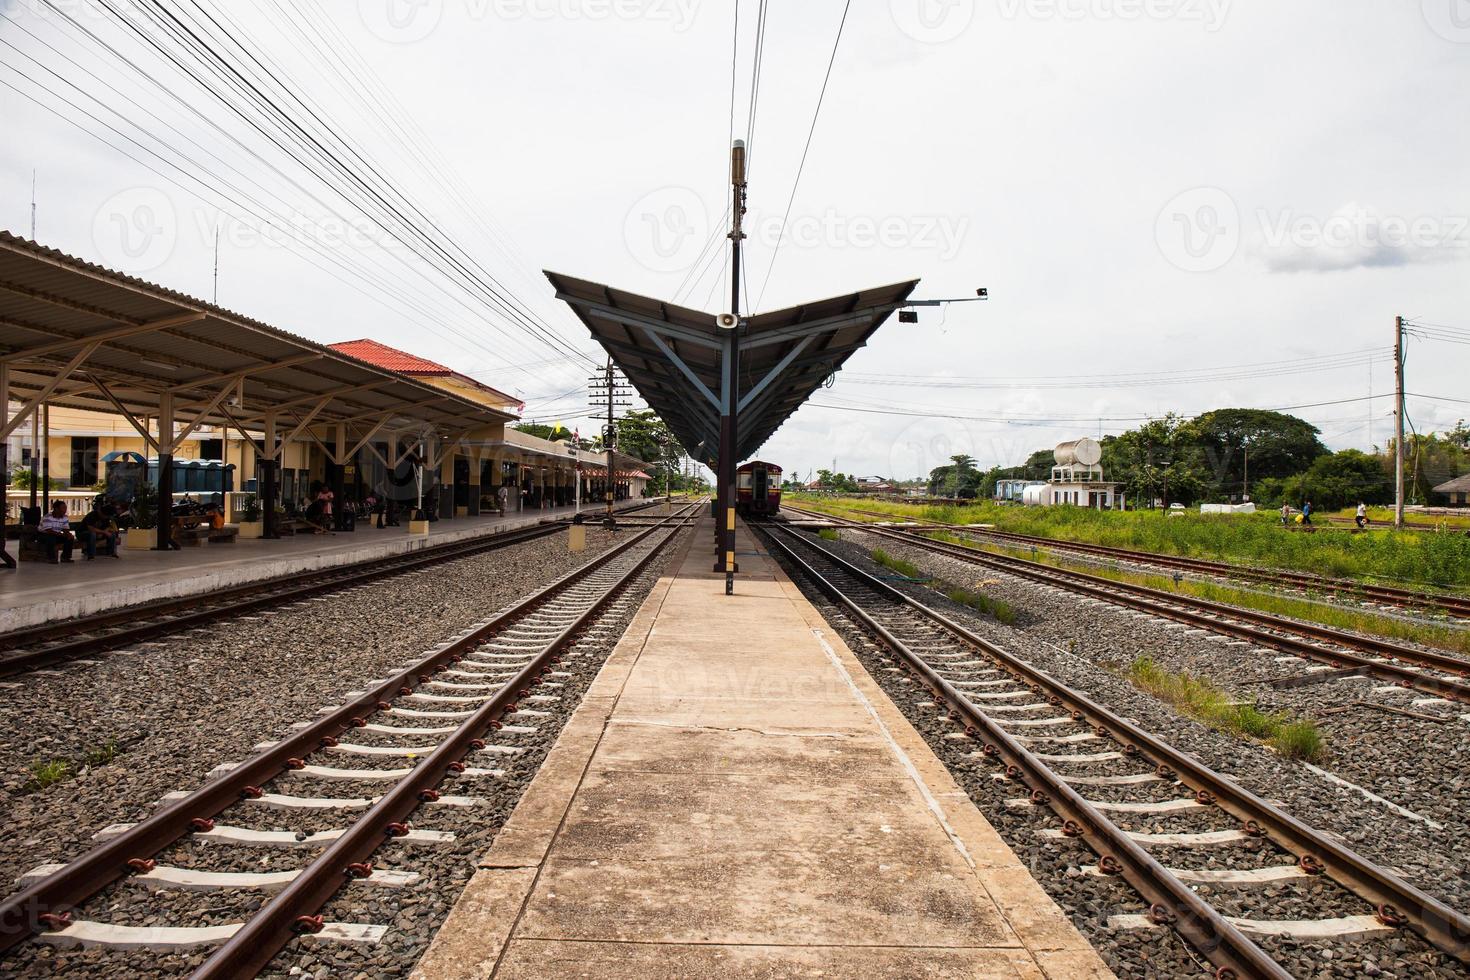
x: 165, y: 471
x: 46, y: 458
x: 609, y: 437
x: 1398, y: 422
x: 730, y: 395
x: 35, y: 456
x: 6, y: 561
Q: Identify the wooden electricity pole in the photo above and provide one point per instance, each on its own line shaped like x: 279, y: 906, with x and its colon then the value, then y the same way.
x: 1398, y: 422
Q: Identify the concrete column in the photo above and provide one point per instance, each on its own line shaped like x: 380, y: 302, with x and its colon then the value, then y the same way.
x: 6, y: 560
x: 268, y: 462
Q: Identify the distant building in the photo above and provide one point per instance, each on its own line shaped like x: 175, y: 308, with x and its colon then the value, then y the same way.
x: 873, y: 484
x: 1457, y: 490
x: 1076, y: 479
x: 1014, y: 491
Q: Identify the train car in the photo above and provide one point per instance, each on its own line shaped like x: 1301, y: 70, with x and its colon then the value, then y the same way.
x: 758, y: 489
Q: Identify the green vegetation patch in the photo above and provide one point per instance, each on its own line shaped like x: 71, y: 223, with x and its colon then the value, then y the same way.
x: 905, y: 568
x: 49, y: 772
x: 1002, y: 611
x: 1197, y: 697
x: 828, y: 534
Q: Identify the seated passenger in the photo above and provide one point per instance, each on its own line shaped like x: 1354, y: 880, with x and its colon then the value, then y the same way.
x: 56, y: 534
x: 99, y: 527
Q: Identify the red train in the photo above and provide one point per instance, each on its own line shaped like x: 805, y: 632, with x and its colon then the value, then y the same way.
x: 757, y: 489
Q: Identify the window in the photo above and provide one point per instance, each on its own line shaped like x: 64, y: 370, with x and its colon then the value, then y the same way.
x: 83, y: 461
x: 212, y: 449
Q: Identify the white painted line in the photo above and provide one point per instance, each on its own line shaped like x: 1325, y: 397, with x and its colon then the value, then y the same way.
x: 1142, y: 777
x: 1347, y: 927
x: 1035, y: 722
x: 327, y: 772
x: 85, y: 933
x: 1368, y: 794
x: 352, y: 748
x: 1092, y: 757
x: 391, y: 730
x: 194, y: 880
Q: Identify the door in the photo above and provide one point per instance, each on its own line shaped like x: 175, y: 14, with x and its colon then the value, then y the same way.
x: 83, y: 461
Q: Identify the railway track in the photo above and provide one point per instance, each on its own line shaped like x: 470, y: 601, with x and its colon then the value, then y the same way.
x: 1053, y: 742
x: 437, y: 719
x: 1439, y: 674
x: 52, y: 643
x: 1452, y: 605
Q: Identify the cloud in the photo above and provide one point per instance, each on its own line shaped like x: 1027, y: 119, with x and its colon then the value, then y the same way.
x: 1356, y: 237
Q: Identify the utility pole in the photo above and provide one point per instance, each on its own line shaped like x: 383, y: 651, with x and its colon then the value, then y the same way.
x: 33, y: 204
x: 1398, y: 422
x: 608, y: 385
x: 730, y: 381
x: 215, y: 300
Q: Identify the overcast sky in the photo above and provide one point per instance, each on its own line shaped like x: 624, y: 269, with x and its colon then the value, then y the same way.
x: 1176, y: 205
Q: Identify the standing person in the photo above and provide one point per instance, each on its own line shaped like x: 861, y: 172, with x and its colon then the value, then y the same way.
x: 97, y: 527
x: 325, y: 497
x: 1362, y: 515
x: 1286, y: 515
x: 56, y: 534
x: 502, y: 497
x: 1307, y: 512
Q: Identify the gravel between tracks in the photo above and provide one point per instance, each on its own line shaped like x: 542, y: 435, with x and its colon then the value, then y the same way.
x: 1068, y: 639
x: 414, y: 912
x: 177, y: 708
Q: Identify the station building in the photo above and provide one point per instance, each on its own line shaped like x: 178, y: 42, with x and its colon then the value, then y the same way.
x: 96, y: 366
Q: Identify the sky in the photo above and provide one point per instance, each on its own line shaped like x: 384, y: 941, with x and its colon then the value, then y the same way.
x: 1175, y: 205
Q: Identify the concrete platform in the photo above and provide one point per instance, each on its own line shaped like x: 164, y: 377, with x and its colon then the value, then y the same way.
x: 36, y: 592
x: 736, y: 797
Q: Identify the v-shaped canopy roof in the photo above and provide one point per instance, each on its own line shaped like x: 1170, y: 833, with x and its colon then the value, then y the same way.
x: 672, y: 355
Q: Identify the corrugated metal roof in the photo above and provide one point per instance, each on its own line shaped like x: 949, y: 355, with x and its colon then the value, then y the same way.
x: 153, y: 339
x: 1460, y: 484
x: 612, y: 316
x: 389, y: 357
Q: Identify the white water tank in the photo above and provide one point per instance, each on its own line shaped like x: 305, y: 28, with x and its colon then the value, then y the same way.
x: 1035, y: 495
x: 1082, y: 452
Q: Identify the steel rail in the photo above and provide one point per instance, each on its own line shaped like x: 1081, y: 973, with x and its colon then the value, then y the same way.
x: 267, y: 932
x: 85, y: 876
x: 1170, y: 900
x: 242, y: 598
x: 1454, y: 604
x: 1205, y: 614
x: 1394, y: 898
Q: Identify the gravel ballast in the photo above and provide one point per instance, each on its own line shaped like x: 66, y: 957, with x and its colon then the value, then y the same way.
x: 1068, y: 639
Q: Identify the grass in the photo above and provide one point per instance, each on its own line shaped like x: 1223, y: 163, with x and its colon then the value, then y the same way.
x: 828, y: 534
x: 1338, y: 617
x: 49, y: 772
x: 1002, y: 611
x: 1295, y: 738
x: 905, y: 568
x: 1416, y: 557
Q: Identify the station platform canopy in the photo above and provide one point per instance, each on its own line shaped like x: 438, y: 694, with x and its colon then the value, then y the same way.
x: 77, y: 335
x: 672, y: 355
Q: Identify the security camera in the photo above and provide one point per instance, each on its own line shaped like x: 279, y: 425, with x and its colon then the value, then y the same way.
x: 983, y: 293
x: 727, y: 321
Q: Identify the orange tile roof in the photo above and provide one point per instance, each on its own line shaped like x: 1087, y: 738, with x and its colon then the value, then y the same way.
x: 383, y: 356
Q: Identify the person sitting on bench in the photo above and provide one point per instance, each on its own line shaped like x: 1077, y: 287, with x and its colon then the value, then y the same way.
x: 56, y: 534
x: 98, y: 527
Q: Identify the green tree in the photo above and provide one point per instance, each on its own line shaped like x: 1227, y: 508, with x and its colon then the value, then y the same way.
x: 552, y: 432
x: 1229, y: 440
x: 1334, y: 480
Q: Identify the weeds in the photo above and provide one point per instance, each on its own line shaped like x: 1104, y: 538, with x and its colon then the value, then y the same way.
x: 1416, y: 557
x: 905, y: 568
x: 828, y: 534
x: 49, y: 772
x: 1295, y: 738
x: 1002, y: 611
